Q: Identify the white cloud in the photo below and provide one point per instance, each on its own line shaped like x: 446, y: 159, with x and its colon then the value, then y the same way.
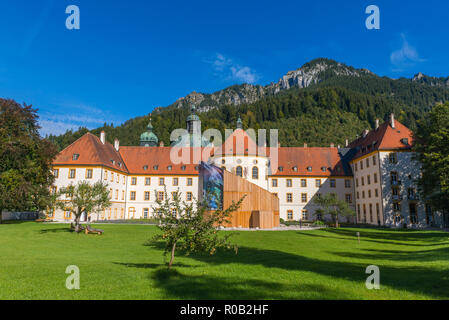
x: 71, y: 116
x: 406, y: 56
x: 232, y: 71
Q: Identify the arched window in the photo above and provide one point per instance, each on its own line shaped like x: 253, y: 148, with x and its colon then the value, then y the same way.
x: 239, y: 171
x: 255, y: 173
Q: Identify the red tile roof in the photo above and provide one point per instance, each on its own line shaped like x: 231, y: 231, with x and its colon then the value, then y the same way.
x: 310, y: 162
x: 239, y: 143
x: 158, y: 161
x: 384, y: 138
x: 91, y: 151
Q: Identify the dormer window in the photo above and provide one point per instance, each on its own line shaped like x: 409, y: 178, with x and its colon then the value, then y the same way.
x: 183, y: 168
x: 405, y: 141
x: 145, y: 167
x: 75, y: 156
x: 295, y: 169
x: 169, y: 168
x: 156, y: 167
x: 324, y: 169
x: 309, y: 168
x: 281, y: 169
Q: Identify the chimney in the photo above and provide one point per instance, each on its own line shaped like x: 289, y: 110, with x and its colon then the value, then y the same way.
x: 332, y: 145
x: 377, y: 124
x: 346, y: 143
x: 279, y: 144
x: 365, y: 133
x: 305, y: 145
x: 161, y: 144
x: 116, y: 145
x: 103, y: 137
x: 392, y: 121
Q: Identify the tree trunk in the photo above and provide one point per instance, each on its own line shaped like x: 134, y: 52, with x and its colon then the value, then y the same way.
x: 77, y: 223
x: 172, y: 258
x: 336, y: 221
x: 1, y: 215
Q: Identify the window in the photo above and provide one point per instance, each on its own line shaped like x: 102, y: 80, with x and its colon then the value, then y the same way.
x: 361, y: 165
x: 393, y: 158
x: 368, y: 179
x: 378, y: 213
x: 174, y: 196
x: 348, y: 198
x: 304, y: 183
x: 375, y: 178
x: 358, y: 195
x: 111, y: 193
x: 116, y: 194
x: 133, y: 195
x: 304, y: 215
x: 318, y: 183
x: 359, y: 217
x: 161, y: 181
x: 357, y: 182
x: 123, y: 194
x: 290, y: 215
x: 288, y: 183
x: 318, y: 195
x: 147, y: 181
x: 239, y: 171
x: 303, y: 197
x: 174, y: 212
x: 118, y: 178
x: 369, y: 193
x: 122, y: 213
x: 189, y: 196
x: 56, y: 173
x: 255, y: 173
x: 67, y: 214
x: 175, y: 181
x: 112, y: 176
x: 89, y: 174
x: 289, y: 197
x: 115, y: 213
x: 376, y: 192
x: 274, y: 183
x: 281, y: 169
x: 396, y: 206
x: 356, y: 166
x: 394, y: 177
x: 106, y: 175
x: 363, y: 194
x: 374, y: 160
x: 169, y: 168
x: 133, y: 181
x: 147, y: 196
x: 72, y: 173
x: 363, y: 181
x: 371, y: 212
x: 160, y: 196
x: 347, y: 183
x: 75, y: 156
x: 367, y: 162
x: 189, y: 181
x: 333, y: 183
x: 145, y: 213
x: 364, y: 212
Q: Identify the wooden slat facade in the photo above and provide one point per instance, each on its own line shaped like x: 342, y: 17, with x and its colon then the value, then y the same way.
x: 260, y: 209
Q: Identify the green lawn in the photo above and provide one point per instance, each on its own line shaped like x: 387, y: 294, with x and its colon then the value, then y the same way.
x: 322, y: 264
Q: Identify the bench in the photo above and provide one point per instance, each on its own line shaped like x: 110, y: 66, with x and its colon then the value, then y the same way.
x: 89, y: 230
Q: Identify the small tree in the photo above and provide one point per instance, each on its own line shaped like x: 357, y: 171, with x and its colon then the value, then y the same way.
x: 332, y: 205
x: 84, y: 197
x: 191, y: 227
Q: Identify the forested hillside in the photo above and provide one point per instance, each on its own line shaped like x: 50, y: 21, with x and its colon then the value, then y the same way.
x: 321, y: 103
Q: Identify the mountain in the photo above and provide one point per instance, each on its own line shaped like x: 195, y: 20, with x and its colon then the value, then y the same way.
x: 322, y: 102
x: 431, y: 81
x: 309, y: 74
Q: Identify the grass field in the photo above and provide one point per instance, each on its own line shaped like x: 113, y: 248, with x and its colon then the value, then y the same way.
x: 321, y: 264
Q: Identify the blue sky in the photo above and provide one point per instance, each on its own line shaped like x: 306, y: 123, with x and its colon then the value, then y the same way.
x: 132, y: 56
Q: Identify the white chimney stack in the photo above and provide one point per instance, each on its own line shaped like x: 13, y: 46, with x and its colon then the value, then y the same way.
x: 392, y: 121
x: 305, y: 145
x: 377, y: 124
x: 116, y: 145
x: 332, y: 145
x: 346, y: 143
x: 103, y: 137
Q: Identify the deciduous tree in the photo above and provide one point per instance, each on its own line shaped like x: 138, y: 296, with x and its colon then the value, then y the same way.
x: 332, y: 205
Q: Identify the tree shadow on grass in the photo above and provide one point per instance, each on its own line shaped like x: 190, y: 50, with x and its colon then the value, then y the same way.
x: 152, y: 265
x: 190, y: 287
x: 440, y: 254
x: 367, y: 236
x: 55, y: 230
x: 415, y: 279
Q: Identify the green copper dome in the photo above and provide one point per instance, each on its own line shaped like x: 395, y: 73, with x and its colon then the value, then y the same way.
x: 193, y: 116
x: 148, y: 138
